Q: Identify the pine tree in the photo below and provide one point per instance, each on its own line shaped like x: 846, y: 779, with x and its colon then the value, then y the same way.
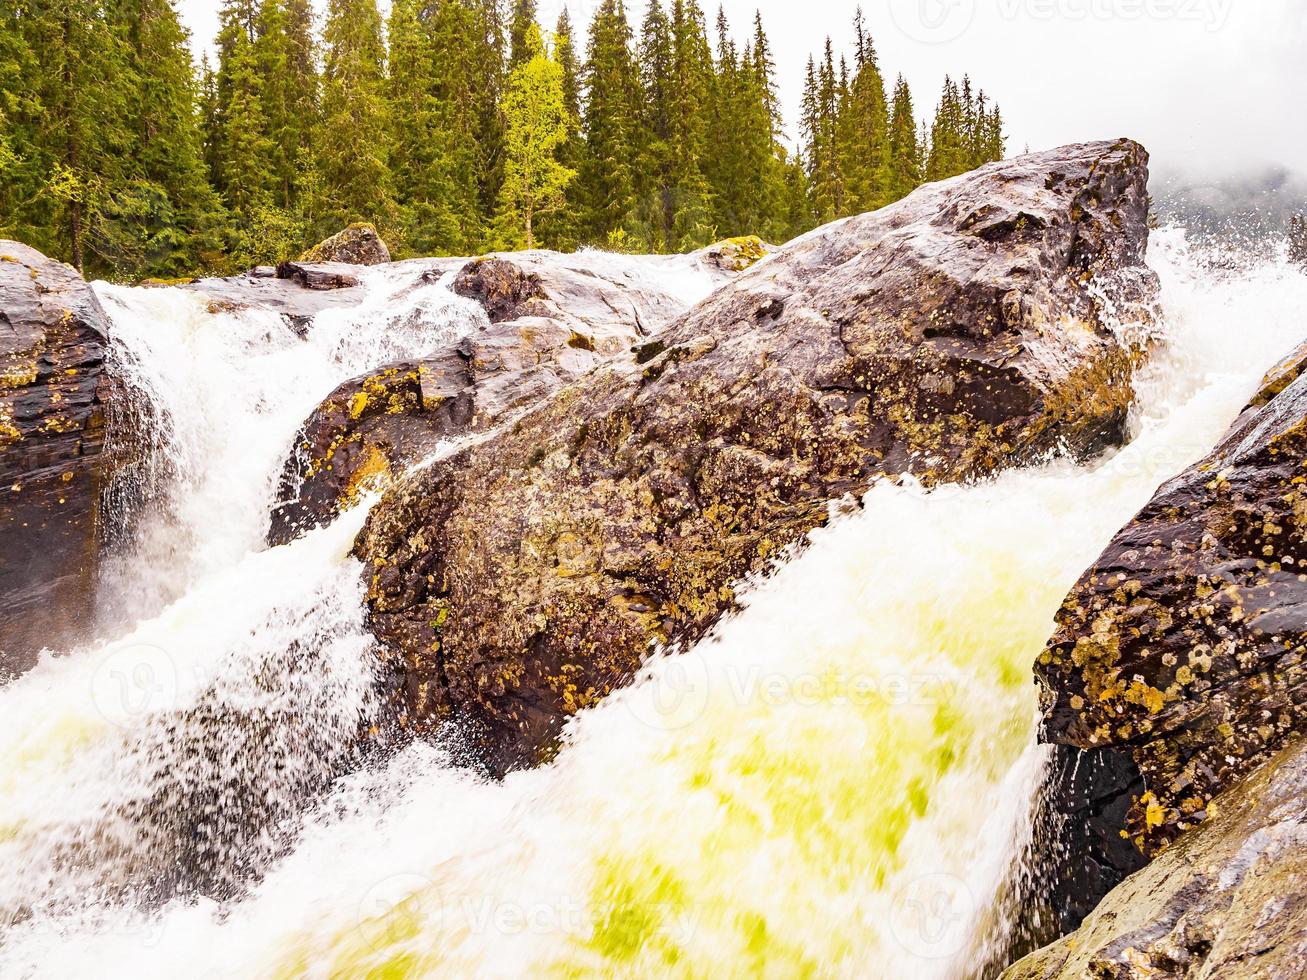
x: 162, y: 216
x: 419, y: 160
x: 652, y: 224
x: 562, y: 227
x: 607, y: 178
x: 902, y: 164
x: 285, y: 52
x: 863, y: 133
x: 688, y: 193
x: 524, y: 18
x: 70, y: 134
x: 535, y: 130
x: 353, y: 147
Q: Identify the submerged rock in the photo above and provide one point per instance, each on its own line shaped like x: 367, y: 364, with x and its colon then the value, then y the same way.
x: 359, y: 244
x: 1185, y: 642
x: 53, y: 393
x: 553, y: 318
x: 1226, y: 901
x: 961, y: 330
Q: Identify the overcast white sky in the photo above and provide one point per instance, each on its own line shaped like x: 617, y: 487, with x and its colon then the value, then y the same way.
x: 1210, y: 86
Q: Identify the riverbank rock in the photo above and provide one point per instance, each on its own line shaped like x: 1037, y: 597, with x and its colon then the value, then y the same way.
x: 1185, y: 642
x: 961, y: 330
x: 359, y: 244
x: 552, y: 319
x: 291, y: 295
x: 53, y: 393
x: 1227, y: 901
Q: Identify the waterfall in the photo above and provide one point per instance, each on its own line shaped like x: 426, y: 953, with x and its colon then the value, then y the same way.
x: 837, y: 782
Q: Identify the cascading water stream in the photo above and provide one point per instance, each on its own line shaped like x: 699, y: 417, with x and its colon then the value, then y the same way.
x: 835, y: 783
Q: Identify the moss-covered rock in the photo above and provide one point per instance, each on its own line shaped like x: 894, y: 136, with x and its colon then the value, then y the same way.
x: 737, y: 254
x: 359, y: 244
x: 963, y: 329
x: 1228, y: 901
x: 553, y: 318
x: 53, y: 393
x: 1185, y: 642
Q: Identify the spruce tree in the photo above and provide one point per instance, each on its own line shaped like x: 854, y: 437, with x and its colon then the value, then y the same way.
x: 535, y: 129
x: 162, y: 218
x: 688, y: 191
x: 353, y: 148
x: 902, y: 163
x: 286, y: 55
x: 607, y: 178
x: 524, y: 18
x: 562, y: 227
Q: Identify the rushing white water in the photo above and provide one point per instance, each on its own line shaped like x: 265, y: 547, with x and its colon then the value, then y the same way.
x: 834, y: 784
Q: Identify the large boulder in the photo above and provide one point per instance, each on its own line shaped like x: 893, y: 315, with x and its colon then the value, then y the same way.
x: 971, y: 326
x: 552, y: 318
x: 1185, y: 643
x: 1227, y: 901
x: 359, y: 244
x: 53, y: 393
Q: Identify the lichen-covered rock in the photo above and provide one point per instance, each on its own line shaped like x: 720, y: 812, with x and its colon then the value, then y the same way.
x: 737, y: 254
x: 1227, y: 901
x: 359, y: 244
x: 960, y: 330
x: 1185, y: 642
x: 552, y: 319
x: 53, y: 392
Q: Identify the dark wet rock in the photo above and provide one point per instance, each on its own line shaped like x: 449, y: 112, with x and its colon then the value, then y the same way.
x: 553, y: 319
x: 323, y: 275
x: 359, y: 244
x: 1185, y: 642
x: 957, y: 332
x: 53, y: 392
x: 1227, y: 901
x: 1077, y: 855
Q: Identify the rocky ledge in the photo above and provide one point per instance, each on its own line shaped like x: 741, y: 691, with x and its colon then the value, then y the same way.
x: 961, y: 330
x: 1184, y: 644
x: 53, y: 396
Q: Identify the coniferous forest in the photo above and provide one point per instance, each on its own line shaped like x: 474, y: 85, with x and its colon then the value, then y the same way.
x: 457, y: 127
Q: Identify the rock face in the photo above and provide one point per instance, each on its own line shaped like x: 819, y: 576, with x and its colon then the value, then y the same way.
x: 553, y: 318
x: 53, y: 393
x: 958, y: 331
x: 1185, y: 642
x: 1227, y: 901
x: 359, y: 244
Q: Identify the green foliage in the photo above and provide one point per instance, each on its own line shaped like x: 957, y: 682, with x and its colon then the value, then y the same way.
x: 536, y: 125
x: 454, y: 130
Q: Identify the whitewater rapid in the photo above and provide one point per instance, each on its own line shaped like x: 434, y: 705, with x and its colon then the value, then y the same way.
x: 836, y: 783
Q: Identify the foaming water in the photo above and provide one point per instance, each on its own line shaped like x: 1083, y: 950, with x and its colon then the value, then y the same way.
x: 228, y: 391
x: 835, y: 783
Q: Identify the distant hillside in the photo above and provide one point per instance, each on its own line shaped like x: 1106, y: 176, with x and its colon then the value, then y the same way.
x: 1250, y: 209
